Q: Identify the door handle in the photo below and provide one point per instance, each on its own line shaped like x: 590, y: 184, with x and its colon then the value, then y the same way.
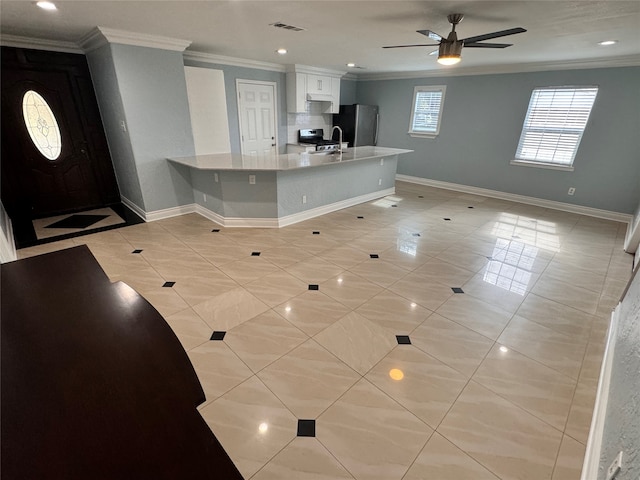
x: 273, y: 144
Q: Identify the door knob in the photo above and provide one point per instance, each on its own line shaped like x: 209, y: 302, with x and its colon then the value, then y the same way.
x: 273, y: 144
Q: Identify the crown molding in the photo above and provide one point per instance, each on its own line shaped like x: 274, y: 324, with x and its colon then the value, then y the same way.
x: 314, y: 70
x: 100, y: 36
x: 18, y: 41
x: 605, y: 62
x: 233, y: 61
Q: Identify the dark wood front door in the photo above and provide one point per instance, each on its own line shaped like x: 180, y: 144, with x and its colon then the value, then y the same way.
x: 52, y: 171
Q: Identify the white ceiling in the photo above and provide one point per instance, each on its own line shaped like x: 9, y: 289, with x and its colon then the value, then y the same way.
x: 337, y: 32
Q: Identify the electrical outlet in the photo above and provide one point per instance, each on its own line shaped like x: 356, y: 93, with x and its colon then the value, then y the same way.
x: 379, y: 181
x: 205, y: 196
x: 215, y: 177
x: 123, y: 126
x: 382, y: 161
x: 304, y: 199
x: 615, y: 467
x: 571, y: 191
x: 252, y: 179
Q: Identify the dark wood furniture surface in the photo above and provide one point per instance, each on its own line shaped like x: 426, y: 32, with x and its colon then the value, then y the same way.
x: 95, y: 384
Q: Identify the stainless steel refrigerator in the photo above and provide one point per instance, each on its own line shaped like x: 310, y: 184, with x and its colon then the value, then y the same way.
x: 359, y: 124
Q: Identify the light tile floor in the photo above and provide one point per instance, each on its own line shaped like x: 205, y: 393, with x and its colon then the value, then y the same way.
x: 497, y: 382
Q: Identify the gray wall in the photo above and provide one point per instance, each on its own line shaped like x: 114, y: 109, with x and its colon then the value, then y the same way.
x: 107, y: 90
x: 154, y: 96
x: 332, y: 183
x: 231, y: 73
x: 622, y: 420
x: 348, y: 92
x: 232, y: 196
x: 481, y: 124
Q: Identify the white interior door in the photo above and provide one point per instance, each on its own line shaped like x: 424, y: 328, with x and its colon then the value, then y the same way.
x: 257, y: 112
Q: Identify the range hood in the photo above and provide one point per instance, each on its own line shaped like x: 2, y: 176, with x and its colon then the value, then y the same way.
x: 319, y: 97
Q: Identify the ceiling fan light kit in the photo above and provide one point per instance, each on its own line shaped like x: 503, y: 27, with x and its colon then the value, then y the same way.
x: 450, y: 48
x: 450, y: 53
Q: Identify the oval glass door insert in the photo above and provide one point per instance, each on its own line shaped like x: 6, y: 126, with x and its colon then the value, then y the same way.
x: 41, y: 124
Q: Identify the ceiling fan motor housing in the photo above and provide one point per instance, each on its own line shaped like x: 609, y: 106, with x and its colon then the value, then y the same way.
x: 455, y: 18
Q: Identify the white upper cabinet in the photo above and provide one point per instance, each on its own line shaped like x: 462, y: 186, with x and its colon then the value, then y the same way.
x: 319, y: 84
x: 309, y: 84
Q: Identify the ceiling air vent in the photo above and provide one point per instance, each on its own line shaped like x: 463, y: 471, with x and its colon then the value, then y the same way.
x: 286, y: 27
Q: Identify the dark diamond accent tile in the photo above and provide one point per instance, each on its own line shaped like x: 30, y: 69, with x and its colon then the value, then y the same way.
x: 169, y: 284
x: 306, y: 428
x: 416, y: 234
x: 316, y: 233
x: 374, y: 255
x: 489, y: 258
x: 216, y: 335
x: 447, y: 219
x: 403, y: 339
x: 77, y: 221
x: 516, y: 237
x: 420, y: 196
x: 215, y: 230
x: 360, y: 217
x: 255, y: 254
x: 470, y: 207
x: 457, y: 290
x: 137, y: 251
x: 314, y: 287
x: 394, y: 205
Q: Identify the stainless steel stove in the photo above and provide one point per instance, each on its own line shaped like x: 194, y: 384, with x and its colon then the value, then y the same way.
x: 315, y: 137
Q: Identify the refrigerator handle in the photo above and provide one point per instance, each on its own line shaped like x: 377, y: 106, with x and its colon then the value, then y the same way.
x: 375, y: 139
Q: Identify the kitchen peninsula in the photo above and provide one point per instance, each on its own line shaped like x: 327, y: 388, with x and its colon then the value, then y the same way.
x: 278, y: 190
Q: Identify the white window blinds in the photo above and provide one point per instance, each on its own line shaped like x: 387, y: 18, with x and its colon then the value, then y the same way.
x: 427, y: 110
x: 554, y: 124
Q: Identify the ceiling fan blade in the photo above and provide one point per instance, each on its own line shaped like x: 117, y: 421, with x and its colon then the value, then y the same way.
x: 432, y: 35
x: 488, y: 36
x: 419, y: 45
x: 488, y: 45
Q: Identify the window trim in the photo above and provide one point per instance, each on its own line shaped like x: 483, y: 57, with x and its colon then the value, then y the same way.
x: 551, y: 165
x: 426, y: 88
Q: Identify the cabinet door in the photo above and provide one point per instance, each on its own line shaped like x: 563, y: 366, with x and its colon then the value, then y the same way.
x: 335, y: 93
x: 319, y: 84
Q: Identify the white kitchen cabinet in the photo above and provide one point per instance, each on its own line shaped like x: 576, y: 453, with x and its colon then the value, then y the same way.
x: 319, y: 84
x: 309, y: 84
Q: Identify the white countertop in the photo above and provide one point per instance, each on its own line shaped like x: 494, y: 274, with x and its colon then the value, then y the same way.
x: 279, y: 162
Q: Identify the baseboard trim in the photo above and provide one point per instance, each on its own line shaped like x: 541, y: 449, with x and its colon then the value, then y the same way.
x: 236, y: 221
x: 170, y: 212
x: 293, y: 218
x: 538, y: 202
x: 332, y: 207
x: 134, y: 208
x: 159, y: 214
x: 591, y: 461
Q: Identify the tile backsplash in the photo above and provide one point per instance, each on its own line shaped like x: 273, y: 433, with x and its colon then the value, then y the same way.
x: 313, y: 118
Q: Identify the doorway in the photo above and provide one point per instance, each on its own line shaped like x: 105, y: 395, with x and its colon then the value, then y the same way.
x: 257, y: 117
x: 55, y: 157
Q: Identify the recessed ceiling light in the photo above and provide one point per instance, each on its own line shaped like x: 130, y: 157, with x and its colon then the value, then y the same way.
x: 351, y: 65
x: 46, y: 5
x: 282, y: 51
x: 604, y: 43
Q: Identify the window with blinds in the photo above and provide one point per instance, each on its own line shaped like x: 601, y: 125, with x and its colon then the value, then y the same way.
x: 426, y: 114
x: 554, y: 125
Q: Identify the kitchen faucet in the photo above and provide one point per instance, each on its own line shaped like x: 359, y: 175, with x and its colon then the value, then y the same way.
x: 340, y: 137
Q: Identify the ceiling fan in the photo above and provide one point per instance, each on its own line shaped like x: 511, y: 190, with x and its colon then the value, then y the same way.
x: 450, y: 48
